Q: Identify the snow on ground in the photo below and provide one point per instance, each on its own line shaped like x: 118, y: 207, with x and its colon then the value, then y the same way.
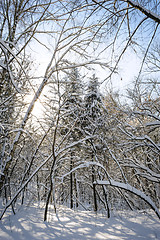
x: 68, y: 224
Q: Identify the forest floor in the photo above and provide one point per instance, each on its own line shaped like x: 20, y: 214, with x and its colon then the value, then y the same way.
x: 69, y: 224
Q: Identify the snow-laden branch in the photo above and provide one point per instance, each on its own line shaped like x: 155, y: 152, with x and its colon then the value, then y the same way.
x: 144, y: 138
x: 5, y: 48
x: 81, y: 64
x: 149, y: 174
x: 140, y: 138
x: 147, y: 114
x: 74, y: 144
x: 154, y: 123
x: 144, y: 10
x: 3, y: 65
x: 85, y: 165
x: 131, y: 189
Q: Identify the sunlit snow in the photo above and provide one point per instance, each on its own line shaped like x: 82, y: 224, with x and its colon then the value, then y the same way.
x: 70, y: 224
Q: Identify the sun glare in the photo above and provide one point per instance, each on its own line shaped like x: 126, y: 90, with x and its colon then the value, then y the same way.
x: 38, y: 106
x: 38, y: 109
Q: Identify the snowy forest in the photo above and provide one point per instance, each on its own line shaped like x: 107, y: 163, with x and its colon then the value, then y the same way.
x: 79, y: 128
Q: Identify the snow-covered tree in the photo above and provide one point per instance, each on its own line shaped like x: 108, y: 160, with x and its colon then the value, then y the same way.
x: 92, y: 124
x: 72, y: 116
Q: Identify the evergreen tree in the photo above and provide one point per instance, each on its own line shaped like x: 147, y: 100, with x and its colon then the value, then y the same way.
x: 92, y: 123
x: 71, y: 124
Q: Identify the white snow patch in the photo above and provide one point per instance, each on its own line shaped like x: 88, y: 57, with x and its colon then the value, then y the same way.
x: 68, y: 224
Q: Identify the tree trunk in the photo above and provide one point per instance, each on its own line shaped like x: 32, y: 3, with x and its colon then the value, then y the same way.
x: 105, y: 196
x: 47, y: 201
x: 94, y: 188
x: 76, y: 190
x: 71, y: 183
